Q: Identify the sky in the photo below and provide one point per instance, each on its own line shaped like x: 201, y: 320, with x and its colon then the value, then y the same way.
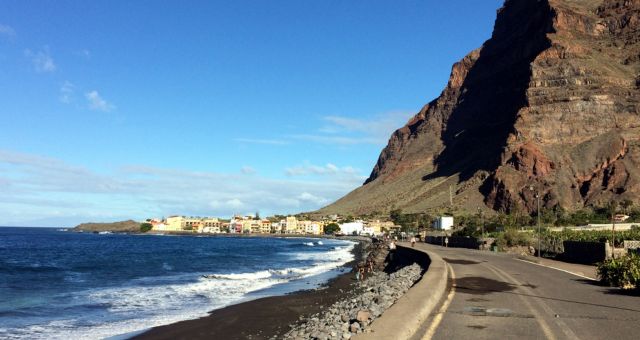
x: 112, y: 110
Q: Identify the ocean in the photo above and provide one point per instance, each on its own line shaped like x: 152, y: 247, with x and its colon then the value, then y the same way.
x: 58, y: 284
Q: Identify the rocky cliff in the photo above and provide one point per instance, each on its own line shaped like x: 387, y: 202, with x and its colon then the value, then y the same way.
x: 549, y: 104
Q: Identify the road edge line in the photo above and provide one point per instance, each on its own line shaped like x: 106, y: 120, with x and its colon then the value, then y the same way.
x: 559, y: 269
x: 431, y: 331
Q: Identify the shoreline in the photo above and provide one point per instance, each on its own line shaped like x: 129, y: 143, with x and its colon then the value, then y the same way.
x: 265, y: 317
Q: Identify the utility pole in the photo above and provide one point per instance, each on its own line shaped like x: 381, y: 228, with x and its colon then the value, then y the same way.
x: 450, y: 196
x: 613, y: 228
x: 539, y: 229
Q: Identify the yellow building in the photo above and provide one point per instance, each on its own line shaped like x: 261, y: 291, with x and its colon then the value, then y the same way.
x: 290, y: 225
x: 174, y: 223
x: 377, y: 226
x: 197, y: 224
x: 265, y: 226
x: 313, y: 227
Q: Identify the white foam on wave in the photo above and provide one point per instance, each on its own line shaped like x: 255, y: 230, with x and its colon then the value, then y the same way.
x: 263, y: 274
x: 140, y: 307
x: 310, y: 244
x: 151, y: 302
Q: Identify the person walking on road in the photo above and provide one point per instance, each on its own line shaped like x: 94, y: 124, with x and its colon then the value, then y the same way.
x: 392, y: 250
x: 413, y: 241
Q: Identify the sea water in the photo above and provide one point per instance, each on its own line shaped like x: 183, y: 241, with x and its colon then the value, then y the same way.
x: 61, y: 284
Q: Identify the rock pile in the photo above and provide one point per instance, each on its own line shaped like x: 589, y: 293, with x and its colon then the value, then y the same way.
x: 354, y: 314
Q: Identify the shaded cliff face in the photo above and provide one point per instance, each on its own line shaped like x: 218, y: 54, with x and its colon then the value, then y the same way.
x: 550, y: 102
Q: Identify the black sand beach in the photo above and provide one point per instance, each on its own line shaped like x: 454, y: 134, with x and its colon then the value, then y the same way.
x: 262, y: 318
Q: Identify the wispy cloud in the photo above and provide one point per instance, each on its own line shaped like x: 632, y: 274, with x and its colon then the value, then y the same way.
x: 328, y: 169
x: 7, y: 31
x: 97, y: 103
x: 338, y: 139
x: 261, y: 141
x: 37, y: 188
x: 341, y: 130
x: 42, y: 60
x: 83, y: 53
x: 67, y: 91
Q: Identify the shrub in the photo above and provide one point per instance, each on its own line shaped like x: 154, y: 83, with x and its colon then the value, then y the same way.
x: 621, y: 272
x: 144, y: 227
x: 512, y: 238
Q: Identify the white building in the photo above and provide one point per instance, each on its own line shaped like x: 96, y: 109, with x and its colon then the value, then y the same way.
x: 350, y: 227
x: 443, y: 223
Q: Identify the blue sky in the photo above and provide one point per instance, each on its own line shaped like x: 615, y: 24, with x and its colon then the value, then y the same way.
x: 135, y: 109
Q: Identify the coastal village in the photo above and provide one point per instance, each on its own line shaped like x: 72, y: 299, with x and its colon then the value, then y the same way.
x: 239, y: 224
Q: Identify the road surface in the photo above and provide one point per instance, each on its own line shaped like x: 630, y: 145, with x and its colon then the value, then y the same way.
x: 497, y: 296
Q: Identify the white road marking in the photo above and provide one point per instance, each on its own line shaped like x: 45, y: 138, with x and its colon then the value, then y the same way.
x: 562, y: 270
x: 543, y: 324
x: 561, y: 324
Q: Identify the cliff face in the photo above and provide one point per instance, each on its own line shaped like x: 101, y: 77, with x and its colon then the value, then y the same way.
x: 551, y: 102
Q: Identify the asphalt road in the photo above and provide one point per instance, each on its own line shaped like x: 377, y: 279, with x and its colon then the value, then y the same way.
x: 497, y: 296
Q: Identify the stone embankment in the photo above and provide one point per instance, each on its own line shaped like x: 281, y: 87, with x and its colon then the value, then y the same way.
x: 368, y: 300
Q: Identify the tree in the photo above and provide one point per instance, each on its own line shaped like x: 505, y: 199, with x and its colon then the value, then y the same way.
x: 331, y: 228
x: 396, y: 215
x: 257, y: 216
x: 144, y: 227
x: 626, y: 204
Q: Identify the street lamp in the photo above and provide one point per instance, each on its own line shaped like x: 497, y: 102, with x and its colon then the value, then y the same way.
x: 538, y: 213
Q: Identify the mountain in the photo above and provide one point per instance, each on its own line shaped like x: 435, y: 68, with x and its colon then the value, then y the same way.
x: 549, y: 104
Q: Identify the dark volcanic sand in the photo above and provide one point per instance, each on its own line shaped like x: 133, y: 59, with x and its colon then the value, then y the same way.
x: 259, y: 319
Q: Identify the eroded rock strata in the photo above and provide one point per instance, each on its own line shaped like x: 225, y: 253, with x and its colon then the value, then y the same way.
x: 551, y: 102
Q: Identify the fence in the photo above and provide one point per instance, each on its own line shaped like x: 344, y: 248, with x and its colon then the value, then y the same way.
x: 454, y: 241
x: 584, y: 252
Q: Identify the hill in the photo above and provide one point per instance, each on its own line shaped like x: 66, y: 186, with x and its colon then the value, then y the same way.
x: 123, y: 226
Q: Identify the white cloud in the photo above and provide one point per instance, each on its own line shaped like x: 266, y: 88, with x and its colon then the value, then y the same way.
x: 247, y: 170
x: 43, y: 189
x: 261, y: 141
x: 307, y: 197
x: 7, y: 31
x: 66, y: 92
x: 97, y: 103
x: 234, y: 203
x: 42, y: 60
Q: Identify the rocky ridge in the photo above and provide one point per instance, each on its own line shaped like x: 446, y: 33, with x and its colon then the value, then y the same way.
x: 550, y: 104
x: 122, y: 226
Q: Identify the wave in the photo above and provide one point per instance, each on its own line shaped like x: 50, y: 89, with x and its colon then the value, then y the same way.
x: 153, y: 301
x: 310, y: 244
